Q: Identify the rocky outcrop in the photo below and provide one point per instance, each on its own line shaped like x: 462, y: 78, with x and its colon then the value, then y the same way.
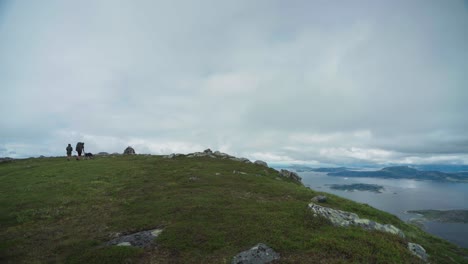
x: 319, y: 199
x: 261, y: 163
x: 290, y: 175
x: 141, y: 239
x: 245, y: 160
x: 258, y: 254
x: 417, y: 250
x: 129, y: 151
x: 221, y: 155
x: 208, y: 151
x: 344, y: 219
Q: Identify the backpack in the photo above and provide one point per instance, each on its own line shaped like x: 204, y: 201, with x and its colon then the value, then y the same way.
x: 79, y: 146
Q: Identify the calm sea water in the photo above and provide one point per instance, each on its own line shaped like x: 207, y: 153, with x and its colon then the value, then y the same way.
x: 402, y: 195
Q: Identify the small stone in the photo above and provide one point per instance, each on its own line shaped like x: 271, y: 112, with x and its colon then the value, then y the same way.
x: 124, y: 244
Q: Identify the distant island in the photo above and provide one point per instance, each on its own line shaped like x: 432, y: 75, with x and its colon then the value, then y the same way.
x: 443, y: 216
x: 401, y: 172
x: 357, y: 187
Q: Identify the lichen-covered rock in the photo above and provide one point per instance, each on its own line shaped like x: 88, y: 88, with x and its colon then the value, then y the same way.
x: 261, y: 163
x: 344, y: 219
x: 290, y: 175
x: 140, y: 239
x: 129, y: 151
x: 245, y: 160
x: 417, y: 250
x: 258, y: 254
x: 319, y: 199
x: 222, y: 155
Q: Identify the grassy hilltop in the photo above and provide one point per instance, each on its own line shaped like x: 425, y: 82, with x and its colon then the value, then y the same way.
x: 58, y: 211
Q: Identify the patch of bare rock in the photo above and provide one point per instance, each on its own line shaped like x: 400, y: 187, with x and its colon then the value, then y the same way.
x: 259, y: 254
x: 344, y: 219
x: 140, y: 239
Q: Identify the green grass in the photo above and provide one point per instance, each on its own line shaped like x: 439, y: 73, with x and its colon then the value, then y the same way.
x: 58, y: 211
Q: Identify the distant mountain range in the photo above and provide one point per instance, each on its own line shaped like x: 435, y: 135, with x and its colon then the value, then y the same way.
x: 396, y: 172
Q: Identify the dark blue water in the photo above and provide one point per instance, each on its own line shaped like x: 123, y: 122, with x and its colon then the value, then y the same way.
x: 401, y: 195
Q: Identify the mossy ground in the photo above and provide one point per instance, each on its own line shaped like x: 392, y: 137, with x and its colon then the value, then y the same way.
x: 58, y: 211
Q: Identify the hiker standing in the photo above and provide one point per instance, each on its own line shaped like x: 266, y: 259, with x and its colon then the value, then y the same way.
x: 69, y: 151
x: 79, y: 148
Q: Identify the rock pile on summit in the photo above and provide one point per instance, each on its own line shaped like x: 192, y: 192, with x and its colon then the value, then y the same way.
x: 209, y: 153
x: 129, y: 151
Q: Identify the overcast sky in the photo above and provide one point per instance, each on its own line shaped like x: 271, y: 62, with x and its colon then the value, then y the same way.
x: 314, y: 82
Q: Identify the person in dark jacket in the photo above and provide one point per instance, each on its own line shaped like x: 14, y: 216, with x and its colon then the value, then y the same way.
x: 80, y: 149
x: 69, y: 151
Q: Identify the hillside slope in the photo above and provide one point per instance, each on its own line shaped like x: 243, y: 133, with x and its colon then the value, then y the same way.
x: 59, y: 211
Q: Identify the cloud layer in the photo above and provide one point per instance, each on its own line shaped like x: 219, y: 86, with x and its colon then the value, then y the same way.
x: 304, y: 81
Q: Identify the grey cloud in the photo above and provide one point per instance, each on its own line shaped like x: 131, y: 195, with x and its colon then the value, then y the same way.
x: 332, y: 82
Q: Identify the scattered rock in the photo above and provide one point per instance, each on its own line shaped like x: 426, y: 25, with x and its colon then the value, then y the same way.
x: 140, y: 239
x: 290, y: 175
x: 258, y: 254
x: 239, y: 172
x: 6, y: 159
x: 417, y: 250
x: 129, y: 151
x: 222, y: 155
x: 217, y: 174
x: 170, y: 156
x: 261, y: 163
x: 173, y: 155
x: 344, y: 219
x: 319, y: 199
x: 193, y: 178
x: 245, y: 160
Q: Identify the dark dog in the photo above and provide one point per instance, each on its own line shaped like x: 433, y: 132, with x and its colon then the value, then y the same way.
x: 89, y: 155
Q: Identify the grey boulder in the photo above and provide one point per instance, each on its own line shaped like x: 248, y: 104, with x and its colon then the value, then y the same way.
x: 319, y: 199
x: 290, y: 175
x: 261, y: 163
x: 417, y: 250
x: 141, y: 239
x: 259, y: 254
